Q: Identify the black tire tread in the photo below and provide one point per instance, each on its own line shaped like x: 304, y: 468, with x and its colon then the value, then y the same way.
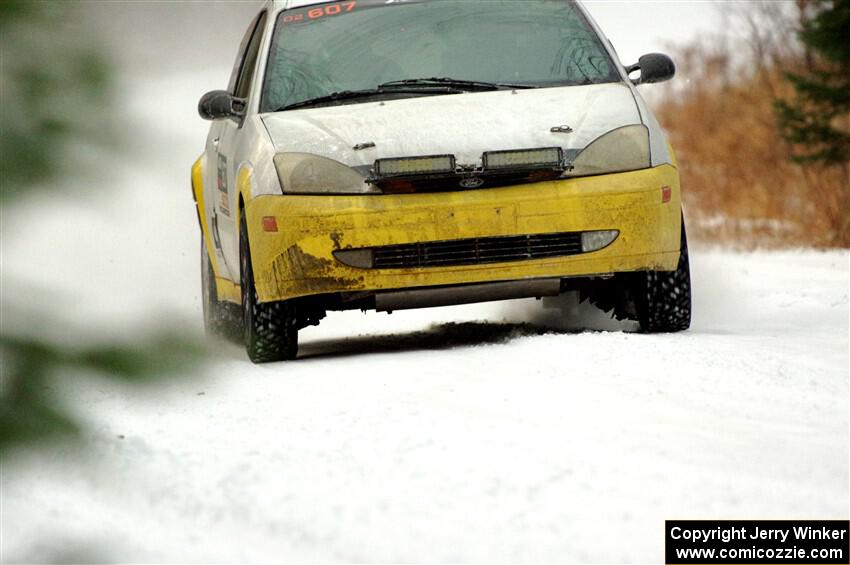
x: 274, y: 336
x: 270, y: 329
x: 665, y: 303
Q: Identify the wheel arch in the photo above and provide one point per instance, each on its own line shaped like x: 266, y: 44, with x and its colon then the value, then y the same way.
x: 244, y: 189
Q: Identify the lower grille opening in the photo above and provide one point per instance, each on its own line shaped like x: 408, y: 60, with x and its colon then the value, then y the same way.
x: 473, y: 251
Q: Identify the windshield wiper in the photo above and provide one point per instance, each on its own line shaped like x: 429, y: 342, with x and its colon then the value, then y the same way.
x: 353, y: 94
x: 455, y: 82
x: 432, y: 85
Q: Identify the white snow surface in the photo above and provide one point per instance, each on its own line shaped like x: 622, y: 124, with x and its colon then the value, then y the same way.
x: 503, y: 432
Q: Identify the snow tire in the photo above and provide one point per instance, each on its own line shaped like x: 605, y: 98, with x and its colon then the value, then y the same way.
x: 663, y: 298
x: 270, y: 329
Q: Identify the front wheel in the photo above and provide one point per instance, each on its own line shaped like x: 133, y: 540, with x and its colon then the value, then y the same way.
x: 271, y: 333
x: 663, y: 298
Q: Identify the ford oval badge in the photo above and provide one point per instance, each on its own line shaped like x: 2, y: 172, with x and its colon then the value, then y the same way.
x: 471, y: 182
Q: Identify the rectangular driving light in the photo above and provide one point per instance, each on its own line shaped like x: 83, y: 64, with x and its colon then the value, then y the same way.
x: 545, y: 158
x: 409, y: 166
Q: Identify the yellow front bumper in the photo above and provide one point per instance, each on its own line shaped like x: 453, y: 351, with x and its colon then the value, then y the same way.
x: 298, y: 259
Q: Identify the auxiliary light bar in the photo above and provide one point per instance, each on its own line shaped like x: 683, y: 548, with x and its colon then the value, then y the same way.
x: 545, y: 158
x: 404, y: 166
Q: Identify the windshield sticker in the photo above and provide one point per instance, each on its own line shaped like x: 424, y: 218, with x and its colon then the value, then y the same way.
x: 309, y: 14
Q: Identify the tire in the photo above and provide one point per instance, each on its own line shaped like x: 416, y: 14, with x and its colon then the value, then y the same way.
x: 270, y: 329
x: 663, y: 298
x: 221, y: 319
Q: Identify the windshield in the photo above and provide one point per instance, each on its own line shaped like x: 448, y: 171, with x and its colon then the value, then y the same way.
x: 358, y: 45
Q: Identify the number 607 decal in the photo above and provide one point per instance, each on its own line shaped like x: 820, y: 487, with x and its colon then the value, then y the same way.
x: 320, y: 12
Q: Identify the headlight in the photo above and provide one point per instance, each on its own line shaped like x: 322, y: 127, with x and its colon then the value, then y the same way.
x: 305, y: 173
x: 622, y: 149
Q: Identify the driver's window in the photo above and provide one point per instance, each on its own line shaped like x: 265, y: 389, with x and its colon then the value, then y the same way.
x: 246, y: 75
x: 243, y: 68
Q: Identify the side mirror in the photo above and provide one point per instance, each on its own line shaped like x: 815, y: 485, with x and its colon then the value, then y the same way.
x: 653, y: 67
x: 218, y: 104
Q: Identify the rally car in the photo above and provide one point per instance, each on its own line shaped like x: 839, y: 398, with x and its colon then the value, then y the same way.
x: 383, y: 155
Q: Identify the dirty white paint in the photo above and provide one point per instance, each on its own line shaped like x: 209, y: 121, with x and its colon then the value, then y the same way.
x: 464, y: 125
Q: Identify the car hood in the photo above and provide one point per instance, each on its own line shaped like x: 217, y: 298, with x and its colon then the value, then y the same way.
x: 464, y: 125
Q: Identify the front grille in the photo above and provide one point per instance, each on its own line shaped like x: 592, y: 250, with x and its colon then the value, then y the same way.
x: 452, y: 183
x: 476, y: 251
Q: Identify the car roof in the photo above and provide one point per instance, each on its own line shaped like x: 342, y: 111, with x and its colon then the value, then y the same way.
x: 277, y: 5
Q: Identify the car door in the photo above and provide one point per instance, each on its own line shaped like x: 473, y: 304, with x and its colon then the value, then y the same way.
x: 226, y: 139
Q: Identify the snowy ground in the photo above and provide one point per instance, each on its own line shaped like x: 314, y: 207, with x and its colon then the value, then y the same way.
x: 495, y: 432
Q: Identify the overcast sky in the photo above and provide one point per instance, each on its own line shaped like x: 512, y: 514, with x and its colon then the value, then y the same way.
x: 636, y: 27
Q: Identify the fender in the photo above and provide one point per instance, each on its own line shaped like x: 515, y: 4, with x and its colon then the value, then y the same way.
x: 244, y: 189
x: 225, y: 289
x: 673, y: 162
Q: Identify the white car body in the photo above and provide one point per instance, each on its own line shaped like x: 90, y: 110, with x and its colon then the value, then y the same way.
x: 460, y: 124
x: 339, y: 181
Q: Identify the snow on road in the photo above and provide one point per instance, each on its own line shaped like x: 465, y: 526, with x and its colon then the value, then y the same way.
x: 495, y: 432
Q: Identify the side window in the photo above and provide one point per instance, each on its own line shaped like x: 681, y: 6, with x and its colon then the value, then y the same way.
x: 246, y: 75
x: 243, y: 68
